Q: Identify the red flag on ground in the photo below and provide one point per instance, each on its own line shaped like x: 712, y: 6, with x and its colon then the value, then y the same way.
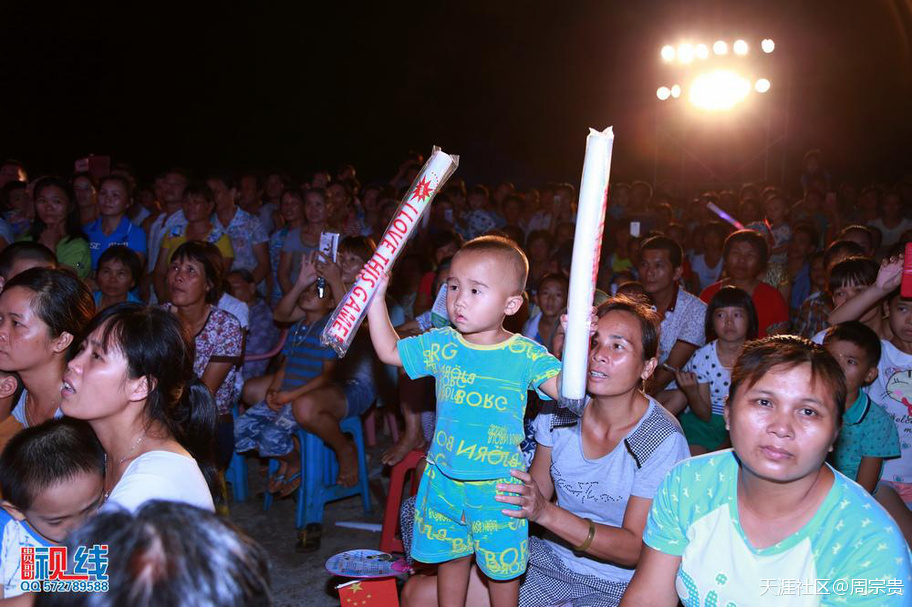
x: 369, y: 593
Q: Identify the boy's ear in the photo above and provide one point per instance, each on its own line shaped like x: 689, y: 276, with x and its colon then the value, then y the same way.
x: 13, y: 511
x: 871, y: 376
x: 8, y: 385
x: 514, y: 303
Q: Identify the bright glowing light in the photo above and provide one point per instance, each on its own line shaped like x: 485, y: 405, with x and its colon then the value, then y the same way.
x: 701, y: 51
x: 686, y: 53
x: 762, y: 85
x: 668, y: 53
x: 720, y: 47
x: 663, y: 93
x: 740, y: 47
x: 768, y: 45
x: 719, y: 90
x: 676, y: 91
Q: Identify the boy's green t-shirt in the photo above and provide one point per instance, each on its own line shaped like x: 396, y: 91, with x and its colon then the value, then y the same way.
x: 481, y: 398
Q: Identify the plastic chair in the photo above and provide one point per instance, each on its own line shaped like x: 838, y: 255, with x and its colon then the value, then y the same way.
x: 236, y: 474
x: 370, y: 424
x: 319, y: 469
x: 389, y: 542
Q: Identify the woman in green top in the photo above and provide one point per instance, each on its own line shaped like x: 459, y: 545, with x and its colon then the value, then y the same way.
x: 56, y: 225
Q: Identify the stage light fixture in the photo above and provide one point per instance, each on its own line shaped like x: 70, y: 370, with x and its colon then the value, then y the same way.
x: 720, y: 47
x: 686, y: 53
x: 740, y: 47
x: 768, y: 45
x: 701, y: 51
x: 676, y: 91
x: 663, y: 93
x: 719, y: 90
x: 762, y: 85
x: 668, y: 53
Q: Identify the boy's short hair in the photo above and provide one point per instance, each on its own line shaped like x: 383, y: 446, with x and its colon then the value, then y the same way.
x: 32, y: 251
x: 649, y: 320
x: 857, y: 228
x: 41, y: 456
x: 507, y: 250
x: 244, y: 274
x: 859, y: 334
x: 361, y: 246
x: 127, y: 257
x: 664, y: 243
x: 853, y: 272
x: 556, y: 277
x: 758, y: 357
x: 841, y: 246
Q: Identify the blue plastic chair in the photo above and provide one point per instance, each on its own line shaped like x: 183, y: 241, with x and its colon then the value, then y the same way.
x: 319, y: 470
x: 236, y: 474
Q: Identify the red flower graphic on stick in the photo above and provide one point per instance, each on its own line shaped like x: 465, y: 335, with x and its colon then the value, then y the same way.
x: 422, y: 190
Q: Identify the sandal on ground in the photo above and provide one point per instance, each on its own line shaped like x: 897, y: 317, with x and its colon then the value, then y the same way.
x: 291, y: 484
x: 275, y: 482
x: 309, y: 538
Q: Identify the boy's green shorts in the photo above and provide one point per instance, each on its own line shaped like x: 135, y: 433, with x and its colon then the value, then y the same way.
x: 455, y: 518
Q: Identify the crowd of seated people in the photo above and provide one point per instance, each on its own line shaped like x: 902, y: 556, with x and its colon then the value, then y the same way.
x: 768, y: 352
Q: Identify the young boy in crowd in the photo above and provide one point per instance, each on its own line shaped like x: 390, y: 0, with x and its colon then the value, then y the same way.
x: 777, y: 213
x: 868, y: 434
x: 813, y: 316
x: 483, y: 374
x: 551, y: 299
x: 268, y: 426
x: 119, y: 271
x: 891, y: 388
x: 52, y: 477
x: 24, y: 255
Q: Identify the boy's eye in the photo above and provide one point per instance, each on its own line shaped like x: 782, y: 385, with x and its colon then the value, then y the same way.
x: 474, y: 291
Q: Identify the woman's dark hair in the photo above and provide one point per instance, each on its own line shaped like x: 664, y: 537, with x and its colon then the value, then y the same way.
x: 122, y: 180
x: 72, y: 225
x: 758, y: 357
x: 127, y: 257
x: 62, y: 301
x: 156, y: 347
x: 199, y: 190
x: 751, y: 237
x: 732, y: 297
x: 649, y: 321
x: 42, y: 456
x: 169, y: 553
x: 209, y: 256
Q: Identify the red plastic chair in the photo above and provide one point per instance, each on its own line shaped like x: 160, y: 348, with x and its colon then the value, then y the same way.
x: 267, y: 355
x: 389, y: 534
x: 370, y: 424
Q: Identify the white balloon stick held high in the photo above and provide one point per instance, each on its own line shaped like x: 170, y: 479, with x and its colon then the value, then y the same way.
x: 587, y: 245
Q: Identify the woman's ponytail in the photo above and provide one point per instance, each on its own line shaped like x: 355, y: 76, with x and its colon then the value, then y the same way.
x: 192, y: 420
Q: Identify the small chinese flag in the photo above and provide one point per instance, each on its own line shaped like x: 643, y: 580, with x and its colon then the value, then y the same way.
x: 369, y: 593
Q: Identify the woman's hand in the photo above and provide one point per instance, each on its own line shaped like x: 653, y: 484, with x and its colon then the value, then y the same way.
x: 531, y: 502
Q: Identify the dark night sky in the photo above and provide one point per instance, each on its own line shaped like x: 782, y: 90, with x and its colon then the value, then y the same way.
x: 510, y: 86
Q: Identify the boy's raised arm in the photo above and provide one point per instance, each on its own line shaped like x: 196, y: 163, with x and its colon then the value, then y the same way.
x: 888, y: 278
x: 383, y: 336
